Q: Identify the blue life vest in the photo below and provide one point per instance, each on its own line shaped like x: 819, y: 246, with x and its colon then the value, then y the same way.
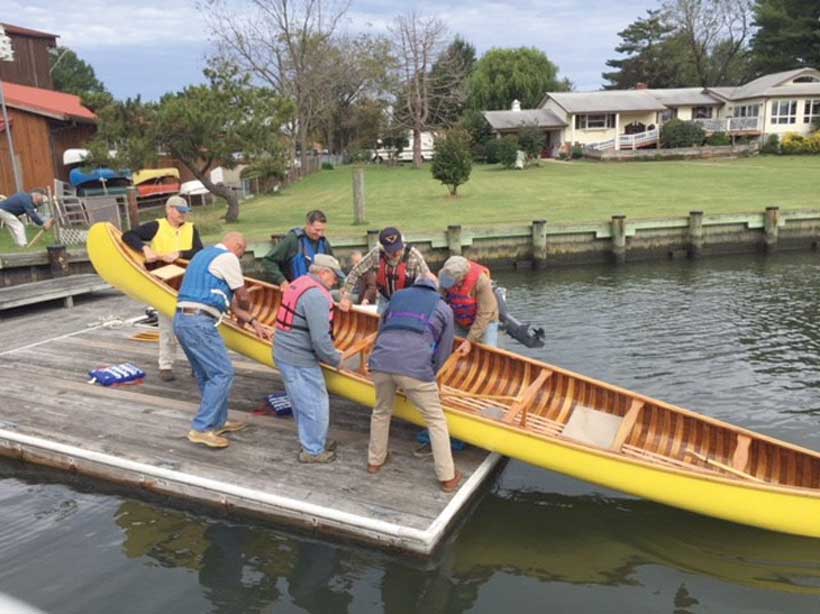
x: 412, y: 309
x: 300, y: 263
x: 200, y: 286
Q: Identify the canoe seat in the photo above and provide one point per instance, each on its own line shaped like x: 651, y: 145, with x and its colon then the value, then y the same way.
x: 592, y: 426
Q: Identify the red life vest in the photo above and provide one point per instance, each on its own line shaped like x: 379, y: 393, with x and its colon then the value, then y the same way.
x: 391, y: 279
x: 461, y: 297
x: 290, y: 301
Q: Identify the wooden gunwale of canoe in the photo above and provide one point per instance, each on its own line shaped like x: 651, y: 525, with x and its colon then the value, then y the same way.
x: 656, y: 434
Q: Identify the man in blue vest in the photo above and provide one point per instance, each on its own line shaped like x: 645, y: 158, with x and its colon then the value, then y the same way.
x: 213, y: 284
x: 414, y: 342
x: 17, y: 205
x: 292, y: 256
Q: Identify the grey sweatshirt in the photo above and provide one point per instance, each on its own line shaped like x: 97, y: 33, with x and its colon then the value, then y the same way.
x: 420, y: 356
x: 300, y: 348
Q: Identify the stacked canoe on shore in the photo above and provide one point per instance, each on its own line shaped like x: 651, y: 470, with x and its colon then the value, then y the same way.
x: 547, y: 416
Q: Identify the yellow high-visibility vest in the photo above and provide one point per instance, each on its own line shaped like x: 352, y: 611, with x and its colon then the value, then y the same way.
x: 169, y: 239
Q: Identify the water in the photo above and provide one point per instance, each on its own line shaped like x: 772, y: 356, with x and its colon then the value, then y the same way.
x: 734, y: 338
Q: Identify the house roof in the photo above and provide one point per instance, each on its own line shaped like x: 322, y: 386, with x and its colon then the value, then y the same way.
x: 683, y: 96
x: 48, y: 103
x: 10, y: 29
x: 608, y: 101
x: 509, y: 120
x: 772, y: 85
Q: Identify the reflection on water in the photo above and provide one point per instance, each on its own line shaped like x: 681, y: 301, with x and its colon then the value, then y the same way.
x: 735, y: 340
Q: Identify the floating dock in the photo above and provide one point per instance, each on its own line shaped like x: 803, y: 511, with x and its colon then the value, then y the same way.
x: 135, y: 435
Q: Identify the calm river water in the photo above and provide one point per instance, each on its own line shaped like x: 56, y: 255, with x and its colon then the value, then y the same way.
x: 735, y: 338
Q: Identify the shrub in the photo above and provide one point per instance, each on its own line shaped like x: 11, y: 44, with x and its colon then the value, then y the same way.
x: 453, y: 161
x: 718, y: 139
x: 677, y: 133
x: 813, y: 142
x: 491, y: 151
x: 506, y: 150
x: 577, y: 151
x: 531, y: 140
x: 794, y: 143
x: 772, y: 145
x: 327, y: 166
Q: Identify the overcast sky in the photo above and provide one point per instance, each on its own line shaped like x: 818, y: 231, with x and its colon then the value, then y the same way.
x: 149, y: 47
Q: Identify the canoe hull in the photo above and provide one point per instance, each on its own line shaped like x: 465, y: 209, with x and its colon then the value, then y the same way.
x: 777, y: 508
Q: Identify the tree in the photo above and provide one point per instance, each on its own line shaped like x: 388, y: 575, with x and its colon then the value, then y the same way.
x: 531, y: 140
x: 716, y: 34
x: 203, y: 127
x: 286, y: 45
x: 656, y: 55
x: 418, y: 47
x: 453, y: 161
x: 72, y: 75
x: 787, y: 35
x: 506, y: 151
x: 450, y: 75
x: 503, y: 75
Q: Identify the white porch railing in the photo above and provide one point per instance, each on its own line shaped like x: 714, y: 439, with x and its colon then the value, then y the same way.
x: 731, y: 124
x: 628, y: 141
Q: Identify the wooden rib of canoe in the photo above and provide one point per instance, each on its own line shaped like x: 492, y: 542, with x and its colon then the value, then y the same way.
x: 547, y: 416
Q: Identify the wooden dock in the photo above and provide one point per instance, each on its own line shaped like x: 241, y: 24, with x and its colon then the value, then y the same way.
x: 59, y: 288
x: 136, y: 436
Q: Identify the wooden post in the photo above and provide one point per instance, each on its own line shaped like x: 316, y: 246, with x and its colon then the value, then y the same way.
x: 359, y: 216
x: 58, y: 260
x: 770, y: 228
x: 695, y: 247
x: 372, y: 239
x: 619, y: 238
x: 539, y: 244
x: 133, y: 209
x: 454, y: 240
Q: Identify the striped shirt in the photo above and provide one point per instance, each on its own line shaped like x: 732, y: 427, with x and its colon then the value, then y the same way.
x: 416, y: 266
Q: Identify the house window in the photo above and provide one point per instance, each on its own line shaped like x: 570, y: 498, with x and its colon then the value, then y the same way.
x: 806, y: 79
x: 596, y: 121
x: 784, y: 112
x: 746, y: 110
x: 669, y: 114
x: 702, y: 112
x: 811, y: 111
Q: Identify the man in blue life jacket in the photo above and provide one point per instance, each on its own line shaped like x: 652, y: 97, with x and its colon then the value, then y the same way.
x: 292, y: 256
x: 15, y: 206
x: 213, y: 284
x: 414, y: 342
x: 304, y: 339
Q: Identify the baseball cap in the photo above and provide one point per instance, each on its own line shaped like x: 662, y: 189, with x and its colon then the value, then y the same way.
x: 391, y: 240
x: 329, y: 262
x: 445, y: 280
x: 178, y: 203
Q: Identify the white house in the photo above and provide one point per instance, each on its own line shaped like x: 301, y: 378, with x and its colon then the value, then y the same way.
x: 773, y: 104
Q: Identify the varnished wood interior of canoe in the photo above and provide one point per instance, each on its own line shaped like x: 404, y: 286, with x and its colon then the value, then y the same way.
x: 521, y: 393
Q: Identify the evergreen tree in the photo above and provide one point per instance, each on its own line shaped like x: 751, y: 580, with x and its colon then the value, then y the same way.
x: 787, y: 36
x: 453, y: 161
x: 72, y: 75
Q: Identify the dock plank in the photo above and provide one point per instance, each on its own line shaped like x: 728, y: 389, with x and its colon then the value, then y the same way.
x: 50, y: 289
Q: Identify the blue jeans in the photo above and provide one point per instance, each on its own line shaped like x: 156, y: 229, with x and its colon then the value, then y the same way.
x: 203, y: 345
x: 490, y: 335
x: 311, y: 407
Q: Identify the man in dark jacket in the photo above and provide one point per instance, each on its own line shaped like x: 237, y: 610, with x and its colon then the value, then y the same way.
x: 292, y: 256
x: 415, y: 340
x: 17, y: 205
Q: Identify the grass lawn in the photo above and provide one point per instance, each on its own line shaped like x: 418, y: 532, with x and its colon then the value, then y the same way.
x: 558, y: 192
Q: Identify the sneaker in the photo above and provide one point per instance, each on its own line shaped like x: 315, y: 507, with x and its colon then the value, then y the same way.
x: 377, y: 468
x: 231, y: 426
x: 166, y: 375
x: 328, y: 456
x: 451, y: 485
x: 331, y: 445
x: 208, y: 438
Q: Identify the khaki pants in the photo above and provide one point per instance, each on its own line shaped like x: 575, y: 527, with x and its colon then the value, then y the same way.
x: 167, y: 342
x: 16, y: 228
x: 424, y: 395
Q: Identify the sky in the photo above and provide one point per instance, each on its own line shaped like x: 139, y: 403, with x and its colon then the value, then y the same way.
x: 149, y: 47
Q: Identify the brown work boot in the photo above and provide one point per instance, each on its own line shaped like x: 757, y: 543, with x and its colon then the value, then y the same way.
x: 208, y: 438
x: 328, y: 456
x: 166, y: 375
x: 231, y: 426
x: 377, y: 468
x: 451, y: 485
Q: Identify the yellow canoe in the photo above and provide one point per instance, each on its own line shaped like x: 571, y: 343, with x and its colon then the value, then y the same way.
x: 150, y: 174
x: 549, y: 417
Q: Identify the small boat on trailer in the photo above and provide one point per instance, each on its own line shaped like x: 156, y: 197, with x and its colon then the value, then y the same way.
x: 156, y: 182
x: 545, y: 415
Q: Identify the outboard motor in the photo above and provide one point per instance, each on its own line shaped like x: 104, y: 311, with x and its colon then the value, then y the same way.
x: 521, y: 332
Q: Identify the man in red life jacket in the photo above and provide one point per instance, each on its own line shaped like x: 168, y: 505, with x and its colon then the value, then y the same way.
x: 469, y: 292
x: 395, y: 264
x: 304, y: 339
